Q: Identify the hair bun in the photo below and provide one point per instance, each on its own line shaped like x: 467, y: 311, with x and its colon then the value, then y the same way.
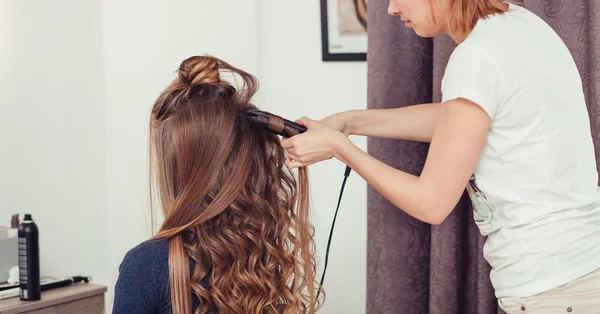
x: 198, y: 70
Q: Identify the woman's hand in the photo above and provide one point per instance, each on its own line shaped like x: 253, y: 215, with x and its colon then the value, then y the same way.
x: 337, y: 121
x: 318, y: 143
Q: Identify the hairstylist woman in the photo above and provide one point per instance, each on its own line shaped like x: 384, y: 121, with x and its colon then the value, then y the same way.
x: 514, y: 129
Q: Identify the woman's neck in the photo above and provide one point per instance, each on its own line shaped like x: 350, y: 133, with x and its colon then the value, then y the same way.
x: 458, y: 37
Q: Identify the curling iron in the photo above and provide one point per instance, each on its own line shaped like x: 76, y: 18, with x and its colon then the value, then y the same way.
x: 287, y: 128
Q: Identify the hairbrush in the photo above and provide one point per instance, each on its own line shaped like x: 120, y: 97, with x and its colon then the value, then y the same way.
x: 274, y: 123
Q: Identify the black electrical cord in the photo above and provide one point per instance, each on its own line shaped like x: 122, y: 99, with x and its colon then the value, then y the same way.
x: 346, y: 174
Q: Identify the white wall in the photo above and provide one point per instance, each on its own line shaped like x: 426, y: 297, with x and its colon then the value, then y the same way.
x: 82, y: 86
x: 295, y: 83
x: 52, y: 129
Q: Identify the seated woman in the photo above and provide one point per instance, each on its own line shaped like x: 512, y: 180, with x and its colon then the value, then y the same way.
x: 236, y: 236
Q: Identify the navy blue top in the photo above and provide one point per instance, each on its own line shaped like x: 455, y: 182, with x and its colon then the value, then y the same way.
x: 143, y: 284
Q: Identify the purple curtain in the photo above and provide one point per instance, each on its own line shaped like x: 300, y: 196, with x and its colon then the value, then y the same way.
x: 414, y: 267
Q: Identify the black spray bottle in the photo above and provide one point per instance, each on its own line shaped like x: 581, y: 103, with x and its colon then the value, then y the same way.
x: 29, y: 260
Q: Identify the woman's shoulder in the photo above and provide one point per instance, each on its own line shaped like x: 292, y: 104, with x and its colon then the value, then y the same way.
x: 147, y: 264
x: 142, y: 285
x: 151, y: 255
x: 149, y: 248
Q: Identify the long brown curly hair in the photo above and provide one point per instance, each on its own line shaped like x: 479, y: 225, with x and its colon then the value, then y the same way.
x: 229, y: 202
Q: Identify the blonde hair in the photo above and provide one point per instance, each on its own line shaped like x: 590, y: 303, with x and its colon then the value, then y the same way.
x: 464, y: 14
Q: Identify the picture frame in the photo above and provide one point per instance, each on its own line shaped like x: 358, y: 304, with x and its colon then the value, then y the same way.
x: 344, y: 30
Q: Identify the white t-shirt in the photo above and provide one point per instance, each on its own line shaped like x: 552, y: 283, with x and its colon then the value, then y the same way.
x: 535, y: 189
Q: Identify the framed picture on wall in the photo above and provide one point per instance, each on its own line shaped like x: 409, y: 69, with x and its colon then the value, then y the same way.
x: 344, y: 30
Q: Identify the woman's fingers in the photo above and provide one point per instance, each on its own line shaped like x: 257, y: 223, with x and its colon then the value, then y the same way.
x: 287, y: 143
x: 305, y: 122
x: 294, y: 164
x: 294, y: 154
x: 305, y: 159
x: 294, y: 151
x: 295, y: 157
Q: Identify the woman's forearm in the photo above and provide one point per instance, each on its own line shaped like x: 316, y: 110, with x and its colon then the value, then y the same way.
x: 404, y: 190
x: 414, y: 123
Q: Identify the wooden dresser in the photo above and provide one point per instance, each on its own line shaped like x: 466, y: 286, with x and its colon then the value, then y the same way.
x: 79, y: 298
